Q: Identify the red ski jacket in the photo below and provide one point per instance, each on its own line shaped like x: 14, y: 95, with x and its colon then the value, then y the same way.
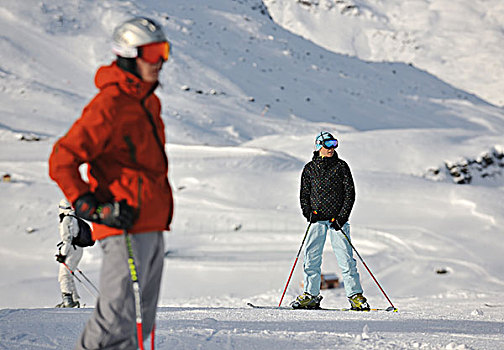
x: 120, y: 135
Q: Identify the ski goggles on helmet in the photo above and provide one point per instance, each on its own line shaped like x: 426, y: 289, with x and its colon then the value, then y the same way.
x: 329, y: 144
x: 154, y: 52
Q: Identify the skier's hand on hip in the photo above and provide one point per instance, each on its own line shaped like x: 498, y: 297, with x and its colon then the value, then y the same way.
x: 116, y: 214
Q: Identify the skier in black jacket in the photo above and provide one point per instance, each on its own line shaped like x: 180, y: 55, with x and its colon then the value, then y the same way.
x: 327, y: 196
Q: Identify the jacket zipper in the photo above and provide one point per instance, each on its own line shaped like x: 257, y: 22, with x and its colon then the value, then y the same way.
x: 154, y: 130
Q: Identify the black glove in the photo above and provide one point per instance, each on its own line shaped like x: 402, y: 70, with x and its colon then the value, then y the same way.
x: 85, y: 207
x: 307, y: 214
x: 60, y: 258
x: 310, y: 216
x: 116, y: 214
x: 314, y: 218
x: 336, y: 224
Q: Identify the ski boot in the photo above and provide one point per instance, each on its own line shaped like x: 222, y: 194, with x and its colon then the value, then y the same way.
x: 306, y: 301
x: 68, y: 301
x: 358, y: 302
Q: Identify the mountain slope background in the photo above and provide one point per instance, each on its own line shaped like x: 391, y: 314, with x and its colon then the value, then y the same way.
x: 243, y: 99
x: 457, y: 41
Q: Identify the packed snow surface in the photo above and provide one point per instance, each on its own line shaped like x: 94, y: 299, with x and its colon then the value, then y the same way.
x: 243, y: 99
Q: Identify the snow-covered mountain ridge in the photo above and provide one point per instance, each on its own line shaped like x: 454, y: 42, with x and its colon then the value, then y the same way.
x: 289, y: 79
x: 458, y: 41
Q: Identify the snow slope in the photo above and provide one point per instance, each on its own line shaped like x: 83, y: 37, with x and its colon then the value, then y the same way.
x: 457, y: 41
x: 242, y: 102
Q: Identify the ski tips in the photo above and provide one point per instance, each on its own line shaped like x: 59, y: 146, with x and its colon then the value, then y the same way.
x: 391, y: 308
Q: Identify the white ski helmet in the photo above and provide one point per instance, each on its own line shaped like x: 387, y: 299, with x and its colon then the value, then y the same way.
x: 65, y: 207
x: 133, y: 33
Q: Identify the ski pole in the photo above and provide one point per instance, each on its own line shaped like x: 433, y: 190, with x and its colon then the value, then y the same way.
x: 136, y: 290
x: 87, y: 279
x: 152, y: 342
x: 136, y: 294
x: 392, y: 307
x: 295, y: 262
x: 78, y: 279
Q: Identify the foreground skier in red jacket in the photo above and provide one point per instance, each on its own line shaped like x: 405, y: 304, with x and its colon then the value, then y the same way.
x: 120, y: 136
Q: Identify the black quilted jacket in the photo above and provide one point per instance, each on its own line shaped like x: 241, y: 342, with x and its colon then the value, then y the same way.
x: 327, y: 187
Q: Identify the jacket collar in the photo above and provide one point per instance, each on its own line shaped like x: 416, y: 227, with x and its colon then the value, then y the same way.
x: 127, y: 82
x: 317, y: 158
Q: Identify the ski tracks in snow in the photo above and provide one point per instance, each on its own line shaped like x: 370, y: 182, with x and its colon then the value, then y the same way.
x: 425, y: 325
x: 432, y: 251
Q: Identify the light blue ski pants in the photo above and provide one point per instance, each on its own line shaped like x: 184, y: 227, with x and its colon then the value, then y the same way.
x: 344, y: 254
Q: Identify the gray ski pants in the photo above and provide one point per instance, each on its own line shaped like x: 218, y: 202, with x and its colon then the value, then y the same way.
x: 112, y: 324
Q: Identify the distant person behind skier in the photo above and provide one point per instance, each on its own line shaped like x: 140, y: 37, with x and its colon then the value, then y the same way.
x: 327, y: 196
x: 68, y: 255
x: 120, y: 136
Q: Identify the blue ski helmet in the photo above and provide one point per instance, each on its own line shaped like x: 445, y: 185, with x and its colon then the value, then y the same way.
x: 325, y: 138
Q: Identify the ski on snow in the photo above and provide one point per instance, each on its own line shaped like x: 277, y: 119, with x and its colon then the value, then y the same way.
x: 320, y: 309
x: 494, y: 305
